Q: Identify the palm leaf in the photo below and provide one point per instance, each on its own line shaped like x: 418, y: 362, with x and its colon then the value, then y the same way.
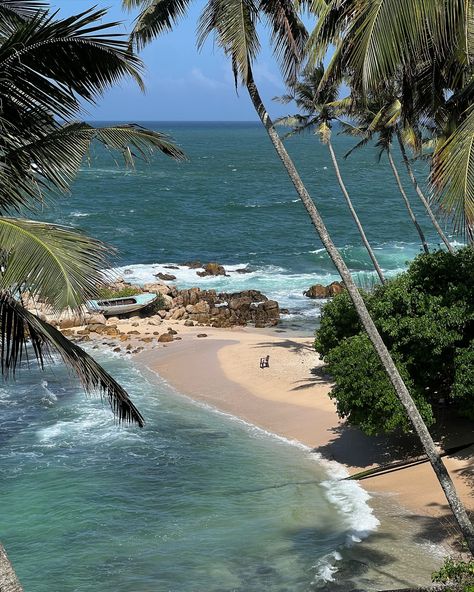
x: 51, y: 160
x: 56, y: 265
x: 156, y: 17
x: 48, y: 63
x: 288, y: 35
x: 19, y: 327
x: 453, y: 176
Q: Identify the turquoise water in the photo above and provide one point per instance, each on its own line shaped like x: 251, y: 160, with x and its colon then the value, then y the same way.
x: 195, y: 501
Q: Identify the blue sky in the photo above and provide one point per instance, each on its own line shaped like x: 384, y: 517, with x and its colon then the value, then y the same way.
x: 182, y: 83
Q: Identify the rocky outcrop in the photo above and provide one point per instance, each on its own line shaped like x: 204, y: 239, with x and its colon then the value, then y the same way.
x: 166, y: 277
x: 320, y: 291
x: 212, y: 269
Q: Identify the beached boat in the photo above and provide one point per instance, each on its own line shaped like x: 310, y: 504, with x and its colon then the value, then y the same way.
x: 118, y: 306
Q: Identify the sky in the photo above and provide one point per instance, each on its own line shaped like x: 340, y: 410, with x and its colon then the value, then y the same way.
x: 182, y: 84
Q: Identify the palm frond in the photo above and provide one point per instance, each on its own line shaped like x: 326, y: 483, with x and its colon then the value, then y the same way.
x: 13, y: 11
x: 18, y: 327
x: 48, y: 63
x: 51, y: 160
x: 233, y: 22
x: 56, y: 265
x: 155, y: 18
x: 453, y: 176
x: 288, y: 35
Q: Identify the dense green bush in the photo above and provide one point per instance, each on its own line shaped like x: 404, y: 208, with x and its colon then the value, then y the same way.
x: 426, y: 318
x: 457, y: 574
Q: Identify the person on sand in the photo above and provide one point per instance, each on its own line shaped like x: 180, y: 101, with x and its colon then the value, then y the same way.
x: 265, y: 362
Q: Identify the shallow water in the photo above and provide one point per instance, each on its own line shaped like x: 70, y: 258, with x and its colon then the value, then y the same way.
x: 195, y: 501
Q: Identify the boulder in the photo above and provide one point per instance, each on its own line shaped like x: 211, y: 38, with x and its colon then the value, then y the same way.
x: 335, y: 288
x: 166, y: 277
x: 243, y: 270
x: 178, y: 313
x: 202, y: 335
x: 316, y: 291
x: 165, y: 338
x: 212, y: 269
x: 158, y: 289
x: 193, y: 264
x: 167, y: 302
x: 189, y: 323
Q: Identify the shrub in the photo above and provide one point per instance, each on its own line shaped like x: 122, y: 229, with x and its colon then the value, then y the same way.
x: 107, y: 292
x: 458, y: 574
x: 426, y: 318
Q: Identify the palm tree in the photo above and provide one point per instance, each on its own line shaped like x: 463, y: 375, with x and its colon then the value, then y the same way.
x: 234, y: 24
x: 379, y: 117
x: 48, y: 66
x: 430, y: 45
x: 319, y: 112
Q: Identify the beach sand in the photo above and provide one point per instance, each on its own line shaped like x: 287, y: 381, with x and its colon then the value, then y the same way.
x: 290, y: 399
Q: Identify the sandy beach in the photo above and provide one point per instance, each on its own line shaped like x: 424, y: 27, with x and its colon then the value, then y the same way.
x: 290, y: 398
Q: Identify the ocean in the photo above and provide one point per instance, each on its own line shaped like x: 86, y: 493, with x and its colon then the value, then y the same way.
x: 199, y: 500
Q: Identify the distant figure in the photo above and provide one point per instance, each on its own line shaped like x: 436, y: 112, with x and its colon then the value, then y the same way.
x: 265, y: 362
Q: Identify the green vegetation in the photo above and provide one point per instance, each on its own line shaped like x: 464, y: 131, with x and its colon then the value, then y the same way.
x: 457, y: 574
x: 107, y: 292
x: 426, y: 318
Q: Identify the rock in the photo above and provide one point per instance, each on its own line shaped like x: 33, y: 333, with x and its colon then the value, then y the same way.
x: 335, y: 288
x: 166, y: 277
x: 170, y: 266
x: 202, y: 335
x: 212, y: 269
x: 189, y: 323
x: 98, y: 319
x: 129, y: 346
x: 117, y: 349
x: 240, y: 302
x: 316, y: 291
x: 123, y: 337
x: 133, y: 333
x: 167, y: 302
x: 158, y: 289
x: 172, y: 331
x: 161, y: 314
x: 243, y: 270
x: 146, y: 339
x: 193, y: 264
x: 178, y: 313
x: 165, y: 338
x: 202, y: 307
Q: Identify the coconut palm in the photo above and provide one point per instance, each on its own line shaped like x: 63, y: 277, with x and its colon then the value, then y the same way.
x: 48, y: 66
x: 430, y: 43
x: 234, y: 24
x: 318, y: 113
x: 375, y: 120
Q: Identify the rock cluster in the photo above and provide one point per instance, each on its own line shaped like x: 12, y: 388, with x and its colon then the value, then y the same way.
x: 320, y: 291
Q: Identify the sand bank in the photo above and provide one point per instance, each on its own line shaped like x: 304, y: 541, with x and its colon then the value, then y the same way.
x: 290, y: 398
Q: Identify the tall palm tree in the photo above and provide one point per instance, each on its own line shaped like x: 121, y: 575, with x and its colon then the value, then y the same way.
x: 47, y: 67
x: 318, y: 113
x: 430, y: 43
x: 378, y: 118
x: 234, y: 24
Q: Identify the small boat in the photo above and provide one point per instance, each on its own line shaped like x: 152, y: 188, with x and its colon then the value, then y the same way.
x: 118, y: 306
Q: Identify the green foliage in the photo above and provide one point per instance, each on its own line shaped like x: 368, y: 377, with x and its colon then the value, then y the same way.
x: 458, y: 573
x: 426, y: 318
x: 107, y: 292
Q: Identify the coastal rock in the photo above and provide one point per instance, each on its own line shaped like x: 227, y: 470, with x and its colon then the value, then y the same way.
x: 165, y: 338
x: 202, y: 335
x: 170, y: 266
x: 193, y: 264
x: 166, y: 277
x: 189, y: 323
x: 243, y: 270
x: 167, y: 302
x: 335, y: 288
x: 316, y: 291
x: 158, y: 289
x: 212, y: 269
x: 320, y: 291
x: 178, y: 313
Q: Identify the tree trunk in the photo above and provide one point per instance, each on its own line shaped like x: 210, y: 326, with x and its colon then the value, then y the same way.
x: 8, y: 580
x: 421, y: 195
x: 354, y: 213
x: 401, y: 390
x: 407, y: 203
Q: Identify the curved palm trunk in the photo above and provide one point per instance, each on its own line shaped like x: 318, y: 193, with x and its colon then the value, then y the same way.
x: 421, y: 195
x: 8, y: 580
x: 354, y: 213
x: 407, y: 203
x: 401, y: 390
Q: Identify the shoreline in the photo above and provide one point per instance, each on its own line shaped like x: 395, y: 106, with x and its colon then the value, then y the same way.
x: 290, y: 400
